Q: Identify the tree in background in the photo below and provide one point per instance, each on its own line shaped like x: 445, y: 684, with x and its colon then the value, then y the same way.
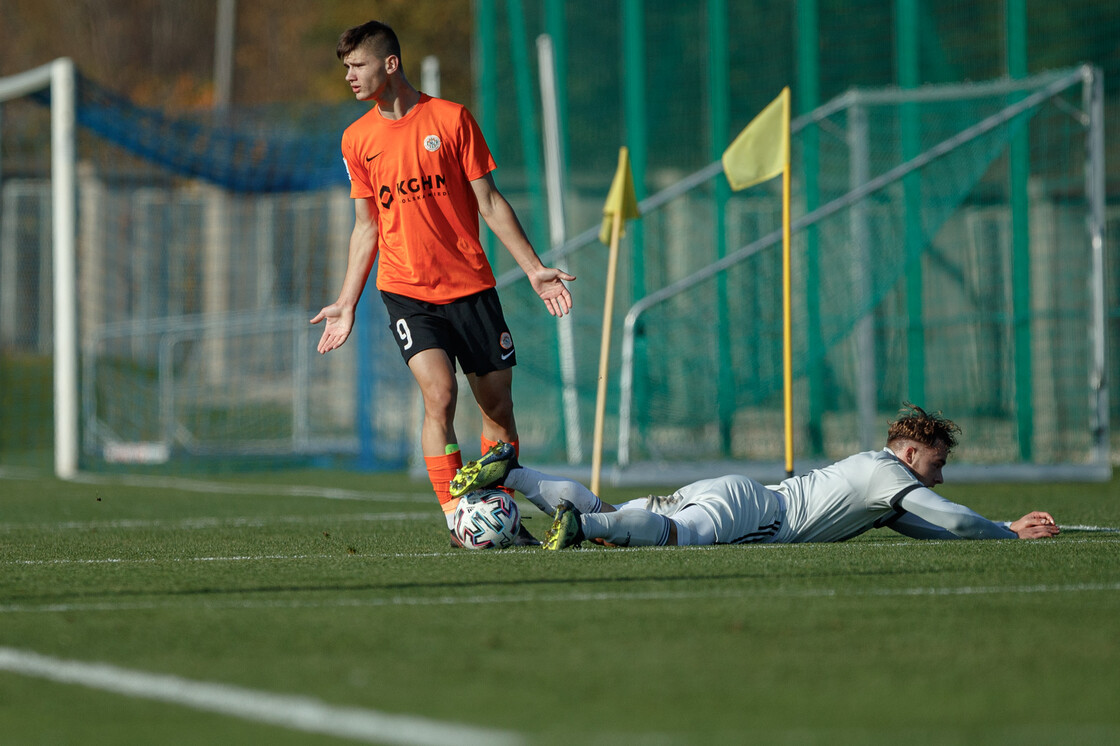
x: 160, y: 53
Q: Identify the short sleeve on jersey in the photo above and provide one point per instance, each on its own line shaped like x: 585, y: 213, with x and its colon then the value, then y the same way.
x: 360, y: 186
x: 476, y: 158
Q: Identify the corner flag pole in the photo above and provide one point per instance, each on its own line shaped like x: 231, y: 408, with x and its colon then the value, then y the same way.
x: 604, y: 354
x: 759, y: 153
x: 787, y: 312
x: 621, y: 204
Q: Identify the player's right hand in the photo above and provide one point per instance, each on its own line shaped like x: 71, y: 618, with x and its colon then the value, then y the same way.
x: 1035, y: 525
x: 340, y: 320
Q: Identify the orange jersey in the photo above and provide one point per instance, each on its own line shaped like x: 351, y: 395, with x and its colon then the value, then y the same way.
x: 417, y: 171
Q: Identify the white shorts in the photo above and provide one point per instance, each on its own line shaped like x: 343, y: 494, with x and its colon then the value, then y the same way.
x: 726, y: 510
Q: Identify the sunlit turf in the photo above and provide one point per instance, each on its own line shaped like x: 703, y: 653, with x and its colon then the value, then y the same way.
x: 361, y: 603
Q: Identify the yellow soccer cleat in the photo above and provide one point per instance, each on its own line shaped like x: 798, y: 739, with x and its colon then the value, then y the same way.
x: 565, y: 531
x: 487, y: 471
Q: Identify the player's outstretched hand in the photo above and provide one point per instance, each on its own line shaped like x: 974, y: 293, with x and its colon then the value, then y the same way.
x: 1035, y: 525
x: 340, y: 320
x: 548, y: 282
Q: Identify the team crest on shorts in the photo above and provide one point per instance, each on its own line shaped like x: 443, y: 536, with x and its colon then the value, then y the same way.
x: 506, y: 341
x: 431, y: 143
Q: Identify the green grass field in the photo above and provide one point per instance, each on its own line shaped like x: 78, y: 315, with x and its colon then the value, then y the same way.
x: 346, y: 614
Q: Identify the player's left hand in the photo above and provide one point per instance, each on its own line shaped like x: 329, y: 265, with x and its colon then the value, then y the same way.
x: 548, y: 282
x: 1037, y: 524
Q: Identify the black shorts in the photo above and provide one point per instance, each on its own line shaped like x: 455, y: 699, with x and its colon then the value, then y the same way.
x: 471, y: 330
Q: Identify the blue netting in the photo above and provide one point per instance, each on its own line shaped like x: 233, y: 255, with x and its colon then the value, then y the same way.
x: 275, y: 148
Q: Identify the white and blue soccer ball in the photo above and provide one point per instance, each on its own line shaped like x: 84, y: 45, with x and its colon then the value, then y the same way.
x: 486, y: 519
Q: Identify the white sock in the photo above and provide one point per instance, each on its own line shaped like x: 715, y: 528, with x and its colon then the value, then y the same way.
x: 546, y: 491
x: 627, y: 528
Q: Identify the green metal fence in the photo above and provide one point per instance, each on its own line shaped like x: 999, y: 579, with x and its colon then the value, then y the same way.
x: 675, y: 81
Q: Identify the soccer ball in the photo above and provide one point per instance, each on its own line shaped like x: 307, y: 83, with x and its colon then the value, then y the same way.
x: 486, y: 519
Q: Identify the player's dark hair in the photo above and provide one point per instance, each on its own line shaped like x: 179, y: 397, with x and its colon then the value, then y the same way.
x: 914, y: 423
x: 380, y: 39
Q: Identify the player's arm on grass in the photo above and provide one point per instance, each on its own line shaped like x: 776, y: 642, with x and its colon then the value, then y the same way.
x: 930, y: 516
x: 911, y: 525
x: 548, y: 282
x: 363, y: 250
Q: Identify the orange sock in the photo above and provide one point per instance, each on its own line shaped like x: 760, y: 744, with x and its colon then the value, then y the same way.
x: 487, y: 444
x: 441, y: 469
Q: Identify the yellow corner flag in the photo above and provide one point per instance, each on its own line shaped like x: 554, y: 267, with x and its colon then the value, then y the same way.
x: 621, y: 200
x: 761, y: 151
x: 621, y: 205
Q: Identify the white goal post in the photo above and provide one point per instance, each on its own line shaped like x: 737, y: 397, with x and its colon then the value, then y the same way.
x: 59, y: 78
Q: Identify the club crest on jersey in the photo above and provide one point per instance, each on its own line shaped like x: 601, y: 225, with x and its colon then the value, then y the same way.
x: 431, y: 143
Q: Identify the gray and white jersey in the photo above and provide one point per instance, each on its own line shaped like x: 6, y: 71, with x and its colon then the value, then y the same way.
x: 846, y: 498
x: 834, y: 503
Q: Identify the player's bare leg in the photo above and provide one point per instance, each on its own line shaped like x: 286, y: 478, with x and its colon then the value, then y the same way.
x: 435, y: 375
x: 439, y: 388
x: 494, y: 393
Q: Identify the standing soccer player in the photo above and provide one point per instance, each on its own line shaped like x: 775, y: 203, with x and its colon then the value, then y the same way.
x: 420, y: 176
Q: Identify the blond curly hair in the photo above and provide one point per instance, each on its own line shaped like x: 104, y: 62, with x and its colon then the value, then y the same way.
x: 914, y: 423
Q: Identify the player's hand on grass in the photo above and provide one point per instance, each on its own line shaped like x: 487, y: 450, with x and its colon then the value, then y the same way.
x: 340, y: 320
x: 548, y: 282
x: 1035, y: 525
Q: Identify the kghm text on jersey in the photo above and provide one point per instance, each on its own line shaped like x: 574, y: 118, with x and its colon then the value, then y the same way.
x: 413, y: 188
x: 423, y: 183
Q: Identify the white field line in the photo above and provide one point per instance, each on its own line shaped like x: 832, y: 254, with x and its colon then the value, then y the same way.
x: 286, y: 711
x: 573, y: 597
x: 1063, y: 541
x: 9, y: 472
x: 1093, y: 529
x: 168, y: 560
x: 211, y: 522
x: 199, y: 485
